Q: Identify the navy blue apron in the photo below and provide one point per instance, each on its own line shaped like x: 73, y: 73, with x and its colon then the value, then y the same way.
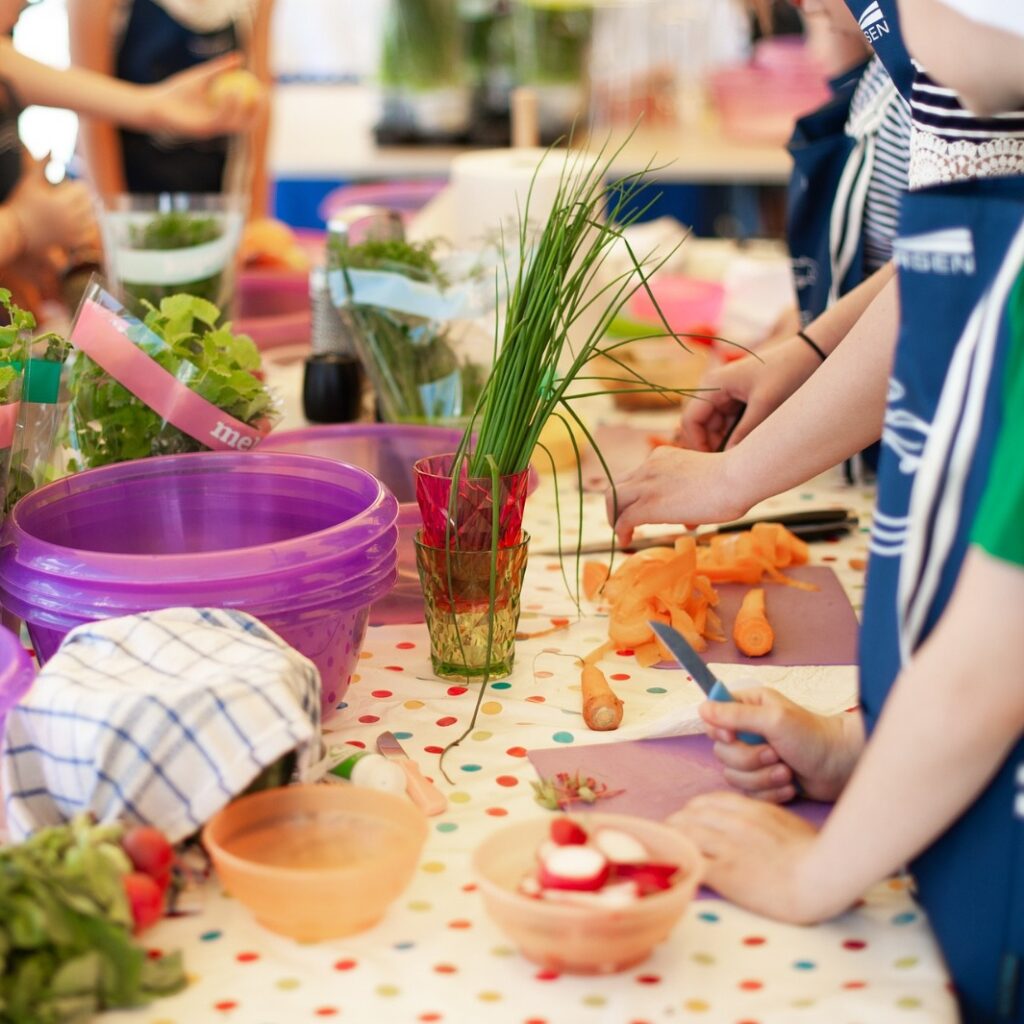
x: 880, y: 23
x: 820, y: 149
x: 958, y: 245
x: 154, y: 46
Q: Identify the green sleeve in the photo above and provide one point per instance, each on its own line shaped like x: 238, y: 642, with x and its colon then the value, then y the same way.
x: 999, y: 524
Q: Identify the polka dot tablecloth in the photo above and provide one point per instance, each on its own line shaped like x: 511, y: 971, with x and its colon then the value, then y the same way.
x: 437, y: 957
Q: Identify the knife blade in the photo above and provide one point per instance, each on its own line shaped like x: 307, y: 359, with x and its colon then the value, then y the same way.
x: 809, y: 525
x: 418, y: 787
x: 713, y: 687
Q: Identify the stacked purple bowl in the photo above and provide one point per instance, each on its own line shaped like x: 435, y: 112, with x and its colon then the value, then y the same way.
x: 304, y: 544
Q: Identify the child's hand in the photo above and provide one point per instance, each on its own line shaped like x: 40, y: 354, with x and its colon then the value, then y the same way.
x: 52, y: 215
x: 761, y: 382
x: 673, y: 485
x: 817, y: 753
x: 183, y: 104
x: 757, y: 856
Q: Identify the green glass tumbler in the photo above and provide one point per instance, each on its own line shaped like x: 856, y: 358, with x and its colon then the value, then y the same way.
x: 471, y: 637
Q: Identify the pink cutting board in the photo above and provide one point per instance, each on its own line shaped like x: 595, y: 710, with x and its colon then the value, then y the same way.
x: 656, y: 777
x: 812, y: 627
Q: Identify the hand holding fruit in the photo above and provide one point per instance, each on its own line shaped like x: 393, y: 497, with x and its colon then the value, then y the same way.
x: 214, y: 98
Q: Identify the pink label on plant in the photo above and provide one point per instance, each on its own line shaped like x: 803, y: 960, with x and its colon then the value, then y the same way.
x: 8, y: 418
x: 101, y: 335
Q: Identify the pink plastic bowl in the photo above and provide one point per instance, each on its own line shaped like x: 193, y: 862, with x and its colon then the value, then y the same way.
x: 304, y: 544
x: 16, y: 673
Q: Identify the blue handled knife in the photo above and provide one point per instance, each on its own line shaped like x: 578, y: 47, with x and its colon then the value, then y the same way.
x: 713, y: 687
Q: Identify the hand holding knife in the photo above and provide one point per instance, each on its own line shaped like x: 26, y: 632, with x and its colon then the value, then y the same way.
x: 713, y: 687
x: 418, y: 787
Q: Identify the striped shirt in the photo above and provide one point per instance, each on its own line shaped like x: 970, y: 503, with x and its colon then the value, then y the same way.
x: 889, y: 174
x: 949, y: 143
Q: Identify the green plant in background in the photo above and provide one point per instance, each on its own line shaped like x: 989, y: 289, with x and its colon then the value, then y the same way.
x: 175, y: 230
x: 412, y: 359
x: 13, y: 347
x: 107, y: 423
x: 66, y: 948
x: 552, y: 40
x: 422, y: 45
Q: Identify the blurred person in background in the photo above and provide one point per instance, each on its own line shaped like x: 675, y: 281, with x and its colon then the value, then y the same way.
x: 42, y: 226
x: 144, y: 41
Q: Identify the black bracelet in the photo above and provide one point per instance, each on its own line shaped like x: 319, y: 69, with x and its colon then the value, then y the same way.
x: 810, y: 341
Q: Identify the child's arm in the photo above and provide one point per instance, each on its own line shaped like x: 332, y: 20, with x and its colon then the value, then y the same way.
x: 259, y: 64
x: 180, y: 104
x: 950, y: 720
x: 835, y: 414
x: 763, y: 380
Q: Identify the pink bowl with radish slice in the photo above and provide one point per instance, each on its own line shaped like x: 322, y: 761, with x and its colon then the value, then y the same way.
x: 582, y: 938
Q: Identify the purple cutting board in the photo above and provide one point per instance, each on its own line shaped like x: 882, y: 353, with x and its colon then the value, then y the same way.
x: 657, y: 777
x: 812, y: 627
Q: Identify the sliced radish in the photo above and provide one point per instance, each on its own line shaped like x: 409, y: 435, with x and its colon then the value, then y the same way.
x: 566, y: 832
x: 580, y: 868
x: 546, y: 849
x: 529, y: 886
x: 651, y: 878
x: 646, y: 867
x: 620, y: 847
x: 615, y: 896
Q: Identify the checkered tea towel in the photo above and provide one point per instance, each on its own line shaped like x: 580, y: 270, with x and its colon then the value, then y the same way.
x: 161, y: 718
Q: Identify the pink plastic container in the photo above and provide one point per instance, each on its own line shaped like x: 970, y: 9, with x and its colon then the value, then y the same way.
x: 689, y: 304
x: 389, y: 451
x: 16, y: 674
x: 304, y: 544
x: 274, y: 307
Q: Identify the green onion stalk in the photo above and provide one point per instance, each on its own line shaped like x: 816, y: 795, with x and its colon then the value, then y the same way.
x: 552, y: 40
x: 540, y: 367
x: 422, y: 47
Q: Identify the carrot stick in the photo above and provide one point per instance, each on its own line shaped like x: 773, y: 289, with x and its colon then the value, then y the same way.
x: 751, y: 630
x: 602, y: 710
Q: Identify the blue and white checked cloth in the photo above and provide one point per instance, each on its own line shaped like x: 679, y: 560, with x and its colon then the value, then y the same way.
x: 161, y: 718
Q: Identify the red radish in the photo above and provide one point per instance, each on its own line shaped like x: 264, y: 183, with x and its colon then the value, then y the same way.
x: 566, y: 832
x: 620, y: 847
x: 649, y: 878
x: 146, y: 899
x: 580, y: 868
x: 150, y: 852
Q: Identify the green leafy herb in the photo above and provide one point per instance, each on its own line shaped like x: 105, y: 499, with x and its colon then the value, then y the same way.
x: 418, y: 376
x: 107, y: 423
x: 563, y: 790
x: 66, y: 950
x: 176, y: 230
x: 422, y: 45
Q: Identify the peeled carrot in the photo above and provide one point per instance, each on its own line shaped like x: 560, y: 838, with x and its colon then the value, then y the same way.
x: 594, y: 576
x: 752, y: 631
x: 602, y: 710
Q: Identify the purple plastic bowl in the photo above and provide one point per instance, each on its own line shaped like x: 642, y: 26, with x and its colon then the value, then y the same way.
x: 16, y: 674
x: 304, y: 544
x: 388, y: 451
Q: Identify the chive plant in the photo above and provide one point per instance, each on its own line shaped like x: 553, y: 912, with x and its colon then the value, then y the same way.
x: 538, y: 367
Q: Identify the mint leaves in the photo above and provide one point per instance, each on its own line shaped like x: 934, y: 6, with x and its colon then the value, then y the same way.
x: 107, y: 423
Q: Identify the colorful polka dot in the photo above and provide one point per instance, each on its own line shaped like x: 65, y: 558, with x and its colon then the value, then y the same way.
x: 904, y: 963
x: 907, y: 917
x: 387, y: 990
x: 696, y: 1006
x: 460, y: 924
x: 620, y: 677
x: 405, y: 645
x: 210, y: 936
x: 805, y: 965
x: 446, y: 721
x: 855, y: 945
x: 649, y: 979
x: 507, y: 780
x: 908, y: 1003
x: 226, y: 1005
x: 326, y: 1011
x: 471, y: 767
x: 708, y: 916
x: 413, y: 705
x: 563, y: 737
x: 543, y: 674
x: 459, y: 797
x: 489, y: 997
x: 445, y: 969
x: 502, y: 951
x: 420, y: 906
x: 432, y: 867
x: 516, y: 751
x: 287, y: 984
x: 369, y: 719
x: 403, y: 946
x: 394, y: 668
x: 593, y: 1001
x: 446, y: 826
x: 481, y: 735
x: 344, y: 965
x: 751, y: 985
x: 456, y: 691
x: 433, y: 749
x: 547, y: 975
x: 381, y: 693
x: 656, y: 689
x: 754, y: 940
x: 496, y: 812
x: 491, y: 707
x: 403, y: 735
x: 705, y: 959
x: 247, y: 958
x: 501, y: 686
x: 536, y: 698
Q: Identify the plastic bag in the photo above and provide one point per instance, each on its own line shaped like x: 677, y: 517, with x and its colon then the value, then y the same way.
x: 171, y: 384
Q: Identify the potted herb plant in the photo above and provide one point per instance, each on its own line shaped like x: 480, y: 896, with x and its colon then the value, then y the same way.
x: 425, y: 93
x: 472, y: 549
